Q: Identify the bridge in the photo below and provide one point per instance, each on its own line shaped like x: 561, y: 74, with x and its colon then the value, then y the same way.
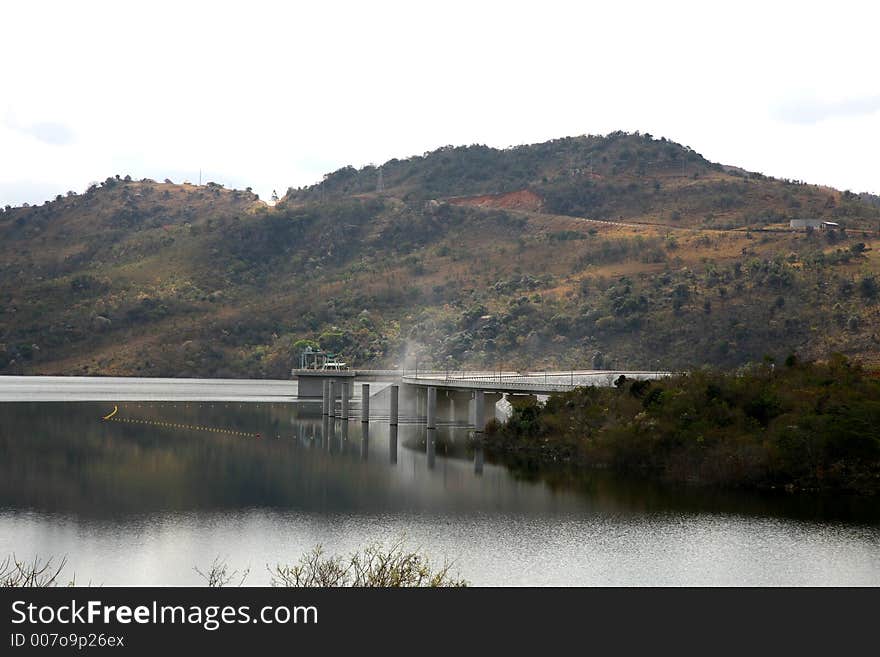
x: 459, y: 398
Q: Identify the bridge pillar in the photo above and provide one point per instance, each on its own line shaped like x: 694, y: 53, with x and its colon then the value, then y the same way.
x: 491, y: 400
x: 484, y: 408
x: 443, y: 408
x: 392, y: 408
x: 454, y: 406
x: 332, y: 389
x: 412, y: 401
x: 479, y: 412
x: 460, y: 408
x: 344, y: 392
x: 431, y: 414
x: 325, y: 396
x: 365, y: 402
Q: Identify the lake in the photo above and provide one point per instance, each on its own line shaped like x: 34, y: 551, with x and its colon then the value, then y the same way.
x: 162, y: 487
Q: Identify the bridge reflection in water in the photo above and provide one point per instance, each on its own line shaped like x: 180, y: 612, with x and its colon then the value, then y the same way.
x: 337, y: 436
x: 142, y: 502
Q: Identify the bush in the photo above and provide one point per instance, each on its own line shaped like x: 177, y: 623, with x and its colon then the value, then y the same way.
x: 868, y: 287
x: 37, y: 573
x: 808, y: 425
x: 375, y: 566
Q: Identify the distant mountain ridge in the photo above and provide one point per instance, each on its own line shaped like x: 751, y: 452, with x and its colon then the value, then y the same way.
x: 620, y: 250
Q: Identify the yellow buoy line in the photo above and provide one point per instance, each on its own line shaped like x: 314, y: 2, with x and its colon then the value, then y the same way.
x: 112, y: 417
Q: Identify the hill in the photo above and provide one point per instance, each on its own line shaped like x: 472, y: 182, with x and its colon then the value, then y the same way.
x: 613, y: 251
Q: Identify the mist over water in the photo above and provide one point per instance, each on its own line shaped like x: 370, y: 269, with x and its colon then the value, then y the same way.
x: 159, y: 488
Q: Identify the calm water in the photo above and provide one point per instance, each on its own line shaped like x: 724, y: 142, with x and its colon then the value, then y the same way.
x: 163, y: 487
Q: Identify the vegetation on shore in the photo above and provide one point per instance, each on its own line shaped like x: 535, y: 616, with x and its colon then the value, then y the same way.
x: 798, y: 426
x: 36, y: 573
x: 374, y: 566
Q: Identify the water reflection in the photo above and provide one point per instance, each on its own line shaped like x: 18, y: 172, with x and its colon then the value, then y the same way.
x: 365, y: 440
x: 143, y: 498
x: 325, y: 431
x: 392, y: 444
x: 343, y: 435
x: 431, y: 447
x: 61, y: 457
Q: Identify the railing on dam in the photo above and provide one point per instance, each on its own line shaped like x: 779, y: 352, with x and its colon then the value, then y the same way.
x: 536, y: 382
x: 503, y: 381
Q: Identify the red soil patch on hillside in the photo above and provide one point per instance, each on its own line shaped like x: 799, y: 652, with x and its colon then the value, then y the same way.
x: 521, y: 200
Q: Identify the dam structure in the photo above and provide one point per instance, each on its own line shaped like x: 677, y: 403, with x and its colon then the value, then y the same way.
x: 464, y: 398
x: 433, y: 398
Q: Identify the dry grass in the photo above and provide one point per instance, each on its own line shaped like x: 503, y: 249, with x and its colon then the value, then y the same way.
x: 38, y: 573
x: 375, y: 566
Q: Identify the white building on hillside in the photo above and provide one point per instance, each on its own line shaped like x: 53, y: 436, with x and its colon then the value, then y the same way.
x: 821, y: 224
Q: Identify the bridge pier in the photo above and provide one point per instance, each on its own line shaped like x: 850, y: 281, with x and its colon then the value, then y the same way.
x: 393, y: 405
x: 310, y: 383
x: 460, y: 411
x: 365, y: 402
x: 454, y: 406
x: 431, y: 413
x: 345, y: 396
x: 479, y: 410
x: 332, y: 389
x: 484, y: 408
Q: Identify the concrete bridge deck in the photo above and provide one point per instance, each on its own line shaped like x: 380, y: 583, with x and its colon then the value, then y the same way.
x: 468, y: 398
x: 536, y: 383
x: 120, y: 388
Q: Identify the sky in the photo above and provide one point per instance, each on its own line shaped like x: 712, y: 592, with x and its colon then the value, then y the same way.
x: 272, y: 95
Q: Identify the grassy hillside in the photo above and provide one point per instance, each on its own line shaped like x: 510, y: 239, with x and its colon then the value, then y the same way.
x: 616, y: 251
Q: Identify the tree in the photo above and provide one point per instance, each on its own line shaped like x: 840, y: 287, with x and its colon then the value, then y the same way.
x: 868, y: 287
x: 300, y: 345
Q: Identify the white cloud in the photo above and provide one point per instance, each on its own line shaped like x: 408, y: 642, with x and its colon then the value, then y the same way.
x: 48, y: 132
x: 812, y: 110
x: 277, y: 94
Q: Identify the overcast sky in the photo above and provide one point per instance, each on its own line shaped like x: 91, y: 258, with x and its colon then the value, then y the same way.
x: 272, y: 95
